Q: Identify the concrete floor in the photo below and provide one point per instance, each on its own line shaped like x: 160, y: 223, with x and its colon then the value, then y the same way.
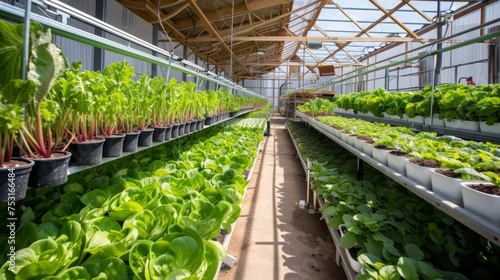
x: 274, y: 238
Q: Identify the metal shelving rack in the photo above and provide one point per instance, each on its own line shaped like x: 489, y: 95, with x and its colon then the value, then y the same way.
x: 76, y: 169
x: 19, y: 14
x: 474, y: 222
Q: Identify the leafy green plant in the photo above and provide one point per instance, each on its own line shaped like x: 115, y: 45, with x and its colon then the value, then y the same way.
x: 46, y: 63
x: 11, y: 121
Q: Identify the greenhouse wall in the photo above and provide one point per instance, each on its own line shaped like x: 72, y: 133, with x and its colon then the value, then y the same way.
x: 463, y: 62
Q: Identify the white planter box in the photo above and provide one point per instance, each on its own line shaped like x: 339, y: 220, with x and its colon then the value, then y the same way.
x: 367, y: 148
x: 467, y: 125
x: 447, y: 187
x: 416, y: 119
x: 397, y: 163
x: 358, y: 144
x: 482, y: 204
x: 380, y: 155
x: 353, y: 263
x: 343, y: 136
x: 350, y: 140
x: 493, y: 129
x: 435, y: 121
x: 419, y: 174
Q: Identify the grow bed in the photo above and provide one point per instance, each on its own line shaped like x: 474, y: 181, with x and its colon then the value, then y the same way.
x: 340, y: 254
x: 474, y: 222
x: 335, y: 152
x: 76, y: 169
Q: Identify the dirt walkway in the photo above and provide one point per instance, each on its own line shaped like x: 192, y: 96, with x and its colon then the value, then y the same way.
x: 273, y: 238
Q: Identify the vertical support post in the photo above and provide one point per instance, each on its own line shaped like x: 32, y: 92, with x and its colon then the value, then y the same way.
x: 100, y: 12
x: 387, y: 73
x: 308, y: 181
x: 359, y: 168
x: 154, y: 67
x: 26, y: 46
x: 268, y: 128
x: 439, y: 55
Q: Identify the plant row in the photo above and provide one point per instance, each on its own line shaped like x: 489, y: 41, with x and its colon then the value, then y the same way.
x: 151, y: 215
x: 65, y: 105
x: 399, y: 235
x: 475, y: 160
x: 449, y: 101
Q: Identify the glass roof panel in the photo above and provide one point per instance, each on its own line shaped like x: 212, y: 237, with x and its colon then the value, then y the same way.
x: 365, y: 19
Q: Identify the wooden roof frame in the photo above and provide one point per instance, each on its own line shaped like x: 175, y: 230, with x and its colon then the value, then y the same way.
x: 228, y: 36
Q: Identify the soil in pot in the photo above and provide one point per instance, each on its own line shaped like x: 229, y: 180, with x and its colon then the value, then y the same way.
x: 367, y: 139
x: 486, y: 188
x: 113, y: 145
x: 51, y: 171
x: 425, y: 162
x: 145, y: 138
x: 86, y: 153
x: 130, y: 142
x: 20, y: 169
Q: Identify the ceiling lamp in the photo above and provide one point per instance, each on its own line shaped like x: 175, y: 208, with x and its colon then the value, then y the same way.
x: 315, y: 45
x: 261, y: 52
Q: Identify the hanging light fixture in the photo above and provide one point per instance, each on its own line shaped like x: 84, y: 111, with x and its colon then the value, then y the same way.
x: 261, y: 52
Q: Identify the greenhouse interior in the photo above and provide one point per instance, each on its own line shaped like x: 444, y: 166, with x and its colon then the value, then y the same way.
x: 249, y: 139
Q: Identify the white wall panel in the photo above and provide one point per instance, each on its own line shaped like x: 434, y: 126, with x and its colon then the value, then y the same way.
x: 75, y: 51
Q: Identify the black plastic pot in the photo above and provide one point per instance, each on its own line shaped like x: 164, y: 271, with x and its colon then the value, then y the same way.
x: 130, y: 142
x: 86, y: 153
x: 113, y: 145
x: 199, y: 124
x: 168, y: 133
x: 175, y: 131
x: 181, y: 129
x: 18, y: 183
x: 159, y: 134
x: 49, y: 172
x: 187, y: 128
x: 192, y: 127
x: 209, y: 120
x: 145, y: 138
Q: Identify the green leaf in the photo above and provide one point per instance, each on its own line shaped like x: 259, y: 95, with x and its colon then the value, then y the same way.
x: 429, y: 271
x: 348, y: 240
x: 75, y: 273
x: 408, y: 268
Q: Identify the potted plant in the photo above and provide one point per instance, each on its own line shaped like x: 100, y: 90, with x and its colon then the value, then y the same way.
x: 14, y: 172
x: 211, y: 106
x: 86, y: 147
x: 44, y: 127
x: 159, y: 113
x: 481, y: 198
x: 144, y: 104
x: 127, y: 119
x: 110, y: 100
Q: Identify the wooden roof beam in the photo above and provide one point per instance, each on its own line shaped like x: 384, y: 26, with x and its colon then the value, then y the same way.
x: 239, y: 10
x: 396, y: 20
x: 353, y: 20
x: 209, y: 27
x: 313, y: 39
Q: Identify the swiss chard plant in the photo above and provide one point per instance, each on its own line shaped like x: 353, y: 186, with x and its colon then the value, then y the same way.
x: 46, y: 63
